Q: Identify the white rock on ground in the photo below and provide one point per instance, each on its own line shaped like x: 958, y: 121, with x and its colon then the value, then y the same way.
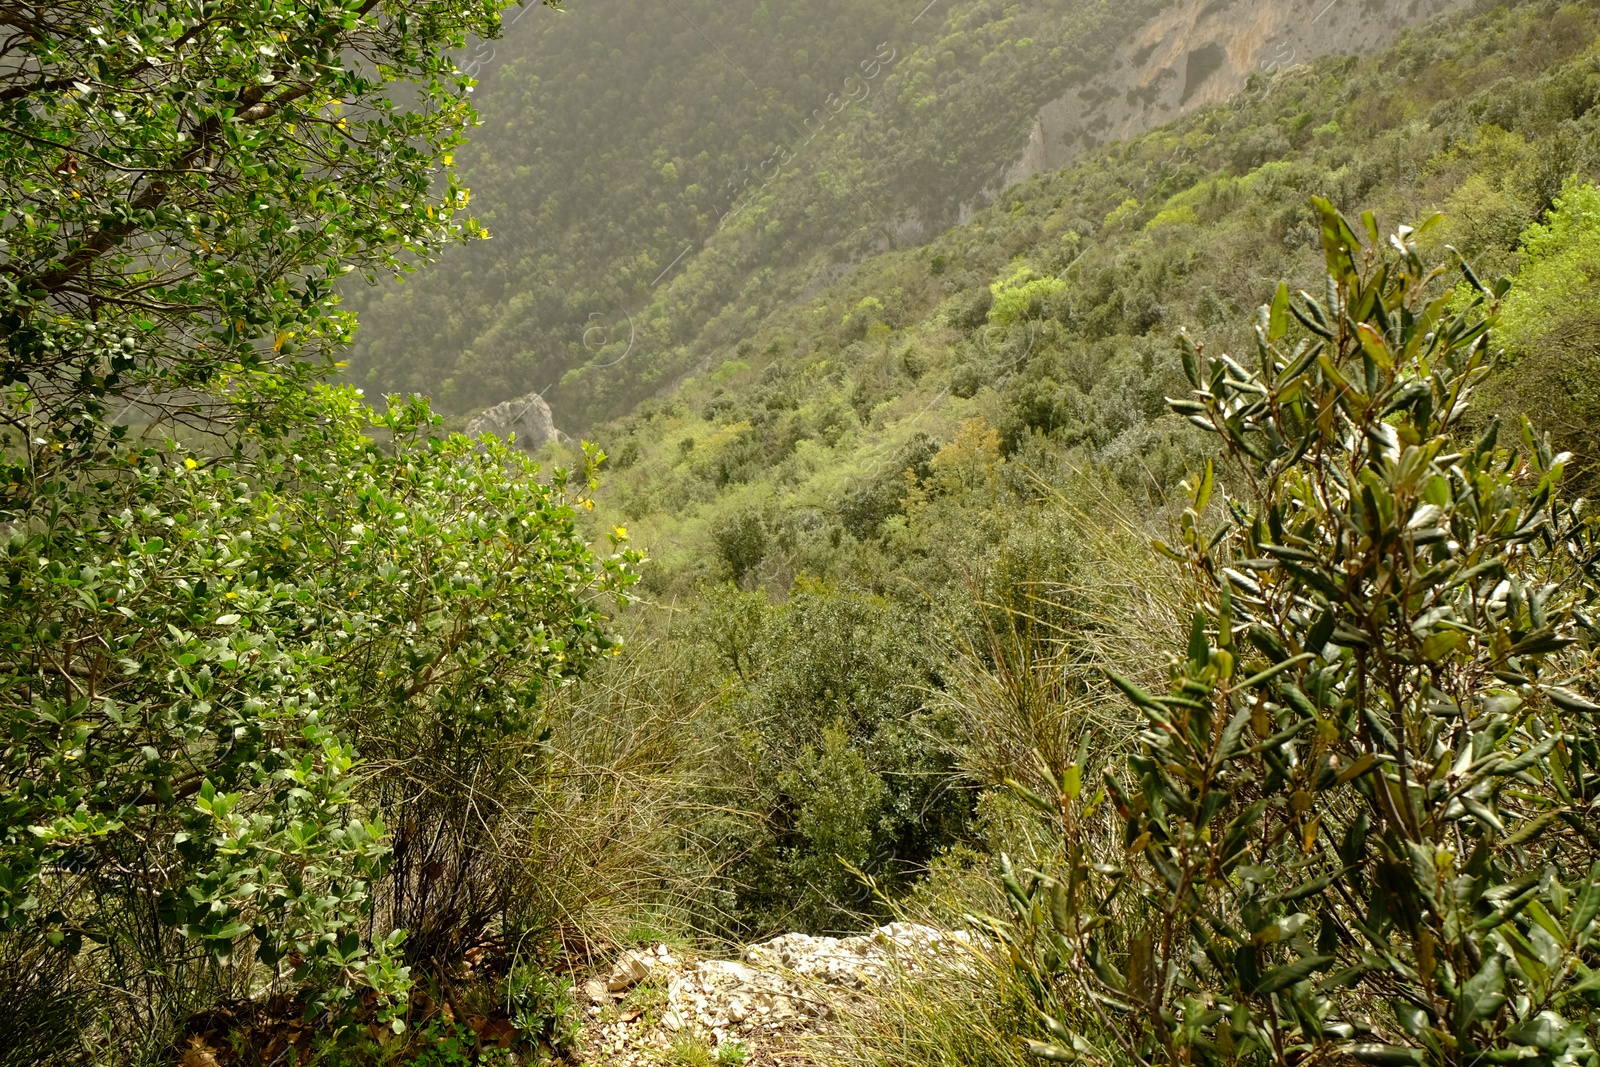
x: 630, y: 970
x: 782, y: 989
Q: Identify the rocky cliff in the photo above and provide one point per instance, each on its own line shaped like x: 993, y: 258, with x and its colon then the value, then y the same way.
x: 1201, y: 52
x: 527, y: 417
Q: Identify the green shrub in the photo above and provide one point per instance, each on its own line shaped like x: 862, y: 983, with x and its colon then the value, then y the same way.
x: 1021, y: 295
x: 1551, y: 325
x: 1361, y: 822
x: 829, y: 745
x: 541, y: 1007
x: 225, y: 681
x: 319, y: 172
x: 873, y: 500
x: 742, y: 543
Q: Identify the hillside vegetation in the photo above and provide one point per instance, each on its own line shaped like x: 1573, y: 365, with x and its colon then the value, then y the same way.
x: 976, y: 432
x: 1052, y: 316
x: 1172, y: 586
x: 658, y: 181
x: 767, y: 148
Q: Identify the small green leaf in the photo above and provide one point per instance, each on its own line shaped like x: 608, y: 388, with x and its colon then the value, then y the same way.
x: 1387, y: 1055
x: 1321, y: 632
x: 1567, y: 700
x: 1199, y: 647
x: 1290, y: 973
x: 1586, y: 906
x: 1369, y: 222
x: 1136, y: 694
x: 1278, y: 322
x: 1435, y: 647
x: 1373, y: 345
x: 1033, y: 799
x: 1275, y: 670
x: 1055, y: 1053
x: 1481, y: 997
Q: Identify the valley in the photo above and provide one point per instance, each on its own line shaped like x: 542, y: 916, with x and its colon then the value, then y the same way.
x: 843, y: 535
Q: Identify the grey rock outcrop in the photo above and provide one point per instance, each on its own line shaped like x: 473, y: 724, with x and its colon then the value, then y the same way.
x: 528, y: 417
x: 1198, y: 52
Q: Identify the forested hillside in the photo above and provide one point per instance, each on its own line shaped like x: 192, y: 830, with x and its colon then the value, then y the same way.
x: 611, y: 145
x: 658, y: 178
x: 980, y: 426
x: 1053, y: 316
x: 1152, y: 606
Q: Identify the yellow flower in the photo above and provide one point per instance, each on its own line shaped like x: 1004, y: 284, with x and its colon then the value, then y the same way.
x: 190, y: 464
x: 588, y: 505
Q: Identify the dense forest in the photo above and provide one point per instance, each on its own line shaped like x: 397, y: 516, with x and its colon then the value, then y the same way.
x: 1172, y: 582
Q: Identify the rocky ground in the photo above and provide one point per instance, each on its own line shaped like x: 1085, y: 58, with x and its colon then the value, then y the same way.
x: 653, y: 1007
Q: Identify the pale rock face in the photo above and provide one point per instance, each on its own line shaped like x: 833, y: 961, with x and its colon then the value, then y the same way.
x: 780, y: 991
x: 1198, y: 52
x: 528, y: 417
x: 631, y: 969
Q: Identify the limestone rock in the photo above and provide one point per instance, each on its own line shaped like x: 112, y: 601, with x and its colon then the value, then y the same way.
x: 778, y: 994
x: 630, y: 970
x: 1199, y: 52
x: 528, y: 417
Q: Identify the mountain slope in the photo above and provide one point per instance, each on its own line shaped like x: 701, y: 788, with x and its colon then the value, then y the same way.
x: 616, y: 136
x: 1051, y: 315
x: 971, y: 437
x: 660, y: 178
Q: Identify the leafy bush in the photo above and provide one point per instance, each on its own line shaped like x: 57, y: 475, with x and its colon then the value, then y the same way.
x: 198, y: 651
x: 742, y: 543
x: 243, y: 144
x: 1021, y: 295
x: 1551, y: 326
x: 1361, y: 822
x: 542, y: 1007
x: 874, y: 499
x: 274, y: 697
x: 830, y: 746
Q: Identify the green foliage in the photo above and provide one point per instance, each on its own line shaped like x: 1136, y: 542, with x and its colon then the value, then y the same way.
x: 444, y: 1044
x: 1021, y: 295
x: 1561, y: 269
x: 840, y: 800
x: 273, y: 696
x: 811, y: 436
x: 541, y: 1007
x: 243, y: 142
x: 196, y: 650
x: 742, y: 543
x: 1361, y: 820
x: 872, y: 501
x: 832, y: 749
x: 1552, y: 326
x: 1034, y: 438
